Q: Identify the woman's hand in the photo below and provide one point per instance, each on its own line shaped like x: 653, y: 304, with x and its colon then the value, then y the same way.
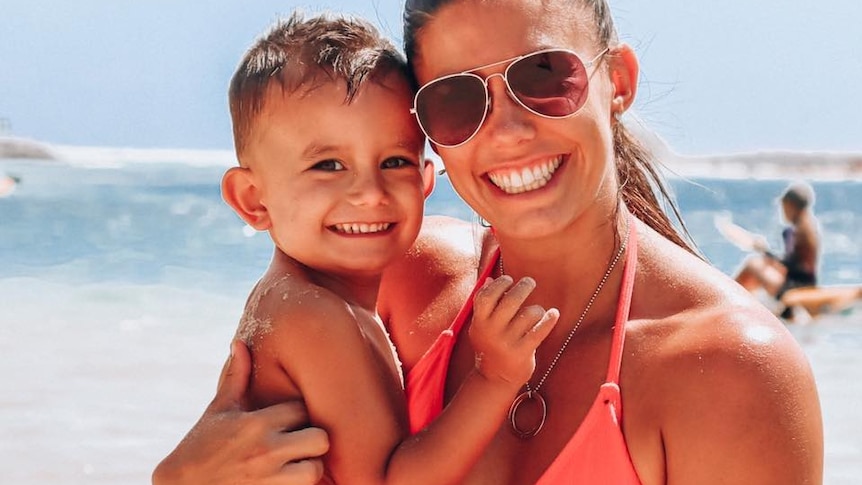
x: 230, y: 445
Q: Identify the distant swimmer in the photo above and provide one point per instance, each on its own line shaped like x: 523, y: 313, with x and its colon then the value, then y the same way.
x: 797, y: 268
x: 8, y: 184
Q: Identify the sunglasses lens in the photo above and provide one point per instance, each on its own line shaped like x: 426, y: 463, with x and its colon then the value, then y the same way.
x: 551, y: 83
x: 451, y: 109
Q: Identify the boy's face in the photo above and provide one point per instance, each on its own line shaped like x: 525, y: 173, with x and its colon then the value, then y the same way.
x: 342, y: 183
x: 789, y: 211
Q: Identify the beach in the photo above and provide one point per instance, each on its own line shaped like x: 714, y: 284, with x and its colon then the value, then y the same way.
x: 123, y: 283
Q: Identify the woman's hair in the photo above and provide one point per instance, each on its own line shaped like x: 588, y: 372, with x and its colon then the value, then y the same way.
x: 640, y: 181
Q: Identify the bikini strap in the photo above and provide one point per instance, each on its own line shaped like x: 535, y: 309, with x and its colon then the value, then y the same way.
x: 623, y: 305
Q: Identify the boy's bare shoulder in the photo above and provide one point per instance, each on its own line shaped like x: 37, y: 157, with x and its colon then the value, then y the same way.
x: 289, y: 305
x: 284, y: 316
x: 295, y: 329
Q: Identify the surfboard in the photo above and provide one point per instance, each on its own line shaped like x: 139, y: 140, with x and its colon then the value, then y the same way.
x: 815, y: 300
x: 740, y: 237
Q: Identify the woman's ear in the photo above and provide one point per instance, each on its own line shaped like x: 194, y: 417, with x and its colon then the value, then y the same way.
x: 623, y: 65
x: 429, y: 178
x: 238, y: 189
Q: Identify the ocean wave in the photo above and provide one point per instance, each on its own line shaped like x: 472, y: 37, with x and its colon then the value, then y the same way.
x: 110, y: 157
x: 775, y: 165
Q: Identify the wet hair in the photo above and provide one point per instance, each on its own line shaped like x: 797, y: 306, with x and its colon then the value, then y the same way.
x: 302, y: 54
x: 799, y: 194
x: 641, y: 184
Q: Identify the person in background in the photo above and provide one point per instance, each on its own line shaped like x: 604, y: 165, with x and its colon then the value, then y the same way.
x: 661, y: 368
x: 8, y: 184
x: 797, y: 267
x: 332, y: 166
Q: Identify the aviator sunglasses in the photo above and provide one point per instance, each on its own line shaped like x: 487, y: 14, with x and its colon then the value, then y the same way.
x: 551, y: 83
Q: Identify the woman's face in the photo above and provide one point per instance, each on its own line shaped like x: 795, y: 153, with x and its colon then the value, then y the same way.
x: 572, y: 157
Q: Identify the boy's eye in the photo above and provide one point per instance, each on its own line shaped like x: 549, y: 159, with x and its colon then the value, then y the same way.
x: 396, y: 162
x: 328, y: 165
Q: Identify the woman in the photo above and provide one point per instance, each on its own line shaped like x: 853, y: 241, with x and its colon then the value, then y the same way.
x: 661, y: 369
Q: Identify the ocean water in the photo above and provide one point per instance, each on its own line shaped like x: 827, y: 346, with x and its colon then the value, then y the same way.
x: 122, y: 284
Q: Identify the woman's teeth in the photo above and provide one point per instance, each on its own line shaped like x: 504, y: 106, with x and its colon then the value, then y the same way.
x: 525, y: 179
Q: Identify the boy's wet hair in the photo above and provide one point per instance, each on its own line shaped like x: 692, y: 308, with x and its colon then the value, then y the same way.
x: 301, y: 53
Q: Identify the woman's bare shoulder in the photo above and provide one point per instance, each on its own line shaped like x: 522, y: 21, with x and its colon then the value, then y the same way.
x: 691, y: 308
x: 421, y: 293
x: 716, y: 375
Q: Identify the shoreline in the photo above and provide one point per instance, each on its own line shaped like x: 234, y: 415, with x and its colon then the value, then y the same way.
x: 821, y: 166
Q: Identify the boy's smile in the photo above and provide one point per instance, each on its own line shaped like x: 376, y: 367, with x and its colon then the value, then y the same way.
x: 362, y: 228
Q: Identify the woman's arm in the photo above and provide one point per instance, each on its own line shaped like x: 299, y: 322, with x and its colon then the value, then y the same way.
x: 229, y: 445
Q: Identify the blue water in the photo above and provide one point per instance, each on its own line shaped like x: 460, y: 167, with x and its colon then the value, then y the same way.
x: 166, y: 223
x: 120, y: 289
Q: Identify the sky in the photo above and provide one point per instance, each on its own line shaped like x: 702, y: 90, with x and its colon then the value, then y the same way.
x: 717, y: 77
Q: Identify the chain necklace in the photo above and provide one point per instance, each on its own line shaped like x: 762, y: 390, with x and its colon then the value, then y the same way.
x: 532, y: 394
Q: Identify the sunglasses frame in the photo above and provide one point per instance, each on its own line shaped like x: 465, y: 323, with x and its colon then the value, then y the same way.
x: 504, y: 75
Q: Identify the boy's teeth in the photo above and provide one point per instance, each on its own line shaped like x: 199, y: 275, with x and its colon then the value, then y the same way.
x: 357, y: 228
x: 525, y: 179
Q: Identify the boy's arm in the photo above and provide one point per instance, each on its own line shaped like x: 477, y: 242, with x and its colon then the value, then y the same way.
x: 351, y: 393
x: 504, y: 335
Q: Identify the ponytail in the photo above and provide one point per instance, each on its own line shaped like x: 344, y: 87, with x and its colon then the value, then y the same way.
x: 640, y: 181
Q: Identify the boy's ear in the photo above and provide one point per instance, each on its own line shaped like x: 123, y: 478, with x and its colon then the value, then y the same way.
x: 240, y: 192
x: 429, y: 178
x: 624, y: 71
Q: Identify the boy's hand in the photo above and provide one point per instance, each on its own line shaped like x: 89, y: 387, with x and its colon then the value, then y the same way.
x: 230, y: 445
x: 505, y: 334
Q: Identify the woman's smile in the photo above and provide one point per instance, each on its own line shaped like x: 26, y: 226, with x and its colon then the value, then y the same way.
x: 525, y: 179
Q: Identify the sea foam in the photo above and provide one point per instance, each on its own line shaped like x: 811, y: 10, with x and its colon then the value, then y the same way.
x: 108, y: 157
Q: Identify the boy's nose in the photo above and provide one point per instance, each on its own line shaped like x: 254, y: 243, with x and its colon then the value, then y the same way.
x: 367, y: 188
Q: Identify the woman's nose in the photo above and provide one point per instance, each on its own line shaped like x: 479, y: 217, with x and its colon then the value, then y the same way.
x: 507, y: 121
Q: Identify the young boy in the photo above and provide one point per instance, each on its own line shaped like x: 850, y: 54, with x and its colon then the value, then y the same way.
x: 797, y: 268
x: 331, y: 164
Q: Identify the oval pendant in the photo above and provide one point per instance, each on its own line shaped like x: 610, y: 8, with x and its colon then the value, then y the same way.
x: 513, y: 413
